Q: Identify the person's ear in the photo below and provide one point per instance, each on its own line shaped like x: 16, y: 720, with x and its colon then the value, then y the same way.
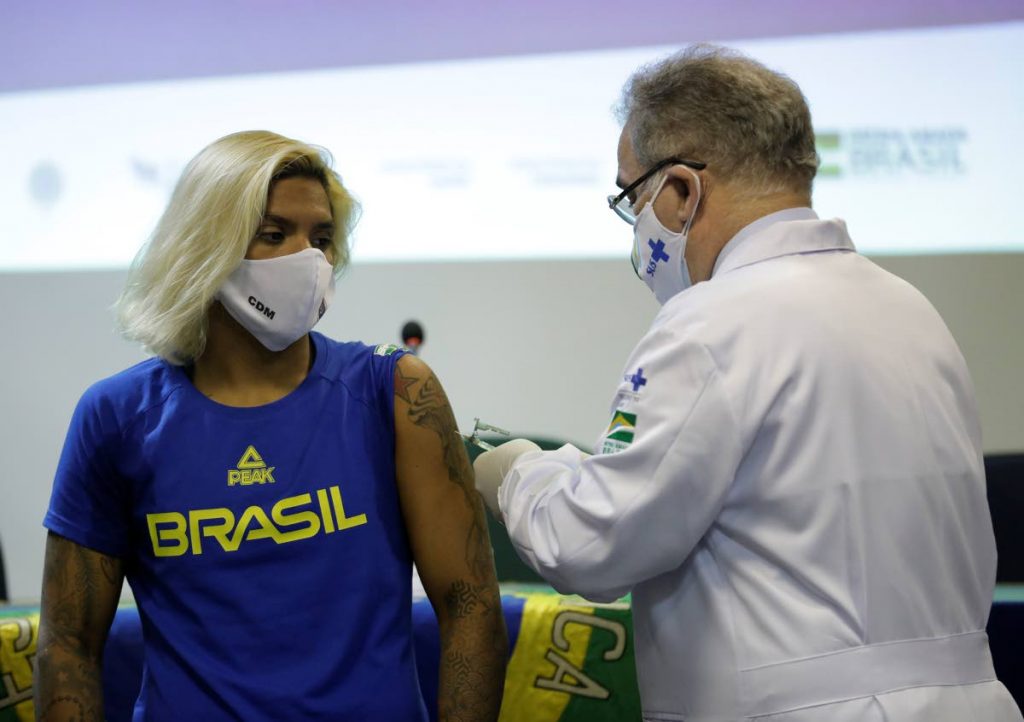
x: 689, y: 188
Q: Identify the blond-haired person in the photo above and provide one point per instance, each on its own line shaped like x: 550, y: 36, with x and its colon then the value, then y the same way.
x: 791, y: 484
x: 264, y: 489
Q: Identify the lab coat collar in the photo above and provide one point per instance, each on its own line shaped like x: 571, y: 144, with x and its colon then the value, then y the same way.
x: 783, y: 233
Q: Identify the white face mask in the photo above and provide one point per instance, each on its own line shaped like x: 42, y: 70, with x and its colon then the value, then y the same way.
x: 658, y: 253
x: 279, y: 300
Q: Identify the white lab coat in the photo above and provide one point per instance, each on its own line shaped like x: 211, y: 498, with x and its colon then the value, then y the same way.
x: 799, y: 508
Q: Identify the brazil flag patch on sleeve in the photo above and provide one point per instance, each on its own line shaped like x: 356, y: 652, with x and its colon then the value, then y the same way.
x: 620, y: 432
x: 386, y: 349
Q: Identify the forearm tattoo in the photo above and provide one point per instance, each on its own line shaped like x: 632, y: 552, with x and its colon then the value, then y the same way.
x: 466, y: 694
x: 78, y: 586
x: 474, y: 650
x: 464, y: 599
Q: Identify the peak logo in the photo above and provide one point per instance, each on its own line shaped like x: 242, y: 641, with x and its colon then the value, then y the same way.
x: 251, y: 469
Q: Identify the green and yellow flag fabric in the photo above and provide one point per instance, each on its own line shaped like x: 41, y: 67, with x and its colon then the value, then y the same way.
x: 18, y: 634
x: 572, y: 663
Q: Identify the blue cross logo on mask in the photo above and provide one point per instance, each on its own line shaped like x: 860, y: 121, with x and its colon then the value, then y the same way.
x: 657, y: 254
x: 637, y: 380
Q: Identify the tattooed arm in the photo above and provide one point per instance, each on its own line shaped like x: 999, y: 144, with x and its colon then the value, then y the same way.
x: 445, y: 520
x: 80, y: 592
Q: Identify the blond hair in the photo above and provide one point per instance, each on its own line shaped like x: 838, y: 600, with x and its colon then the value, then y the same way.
x: 205, y: 231
x: 751, y: 125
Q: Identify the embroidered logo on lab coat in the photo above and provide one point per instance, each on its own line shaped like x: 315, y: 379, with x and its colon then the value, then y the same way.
x: 620, y: 432
x: 637, y: 379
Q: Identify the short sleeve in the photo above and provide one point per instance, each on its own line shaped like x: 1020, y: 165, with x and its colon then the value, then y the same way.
x: 89, y: 503
x: 597, y: 525
x: 384, y: 362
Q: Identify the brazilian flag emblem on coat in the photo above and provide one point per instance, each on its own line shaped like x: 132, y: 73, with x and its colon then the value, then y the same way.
x: 620, y: 432
x: 622, y: 427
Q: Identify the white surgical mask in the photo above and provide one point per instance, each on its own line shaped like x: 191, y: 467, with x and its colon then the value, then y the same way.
x: 658, y: 253
x: 279, y: 300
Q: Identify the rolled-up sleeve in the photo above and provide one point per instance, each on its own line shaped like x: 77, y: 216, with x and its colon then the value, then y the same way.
x: 598, y: 525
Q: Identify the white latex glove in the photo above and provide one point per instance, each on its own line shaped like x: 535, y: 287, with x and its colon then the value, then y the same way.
x: 491, y: 468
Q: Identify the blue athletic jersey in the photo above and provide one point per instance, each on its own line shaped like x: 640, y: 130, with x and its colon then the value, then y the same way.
x: 265, y: 546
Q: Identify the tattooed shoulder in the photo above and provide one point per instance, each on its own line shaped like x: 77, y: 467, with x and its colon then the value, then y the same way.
x: 427, y: 407
x: 404, y: 382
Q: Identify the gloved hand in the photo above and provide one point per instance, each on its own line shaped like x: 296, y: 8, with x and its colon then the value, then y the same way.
x: 491, y: 467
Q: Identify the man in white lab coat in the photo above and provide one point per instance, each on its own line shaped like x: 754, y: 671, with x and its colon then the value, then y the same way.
x: 791, y: 481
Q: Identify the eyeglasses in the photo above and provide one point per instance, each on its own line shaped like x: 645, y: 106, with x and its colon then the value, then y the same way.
x: 621, y: 204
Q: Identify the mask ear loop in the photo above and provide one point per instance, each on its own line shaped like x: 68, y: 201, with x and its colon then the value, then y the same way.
x: 657, y: 190
x: 661, y: 185
x: 696, y: 206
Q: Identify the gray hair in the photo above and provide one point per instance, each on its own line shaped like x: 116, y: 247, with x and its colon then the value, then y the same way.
x: 751, y: 125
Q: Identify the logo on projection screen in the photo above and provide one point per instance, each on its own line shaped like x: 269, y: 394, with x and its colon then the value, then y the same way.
x: 888, y: 152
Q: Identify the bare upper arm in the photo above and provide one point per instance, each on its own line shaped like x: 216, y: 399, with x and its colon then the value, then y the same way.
x: 443, y: 512
x: 81, y: 588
